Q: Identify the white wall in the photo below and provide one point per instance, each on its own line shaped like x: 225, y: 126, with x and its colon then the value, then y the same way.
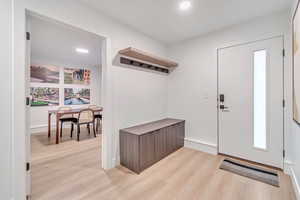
x: 131, y: 96
x: 5, y: 87
x: 192, y: 87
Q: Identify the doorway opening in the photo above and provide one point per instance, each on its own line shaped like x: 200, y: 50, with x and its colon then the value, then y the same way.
x: 64, y: 74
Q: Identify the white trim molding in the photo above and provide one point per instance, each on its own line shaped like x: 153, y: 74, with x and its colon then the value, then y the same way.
x: 289, y: 169
x: 44, y: 128
x: 201, y: 146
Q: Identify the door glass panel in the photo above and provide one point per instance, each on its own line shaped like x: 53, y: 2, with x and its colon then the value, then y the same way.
x: 260, y: 89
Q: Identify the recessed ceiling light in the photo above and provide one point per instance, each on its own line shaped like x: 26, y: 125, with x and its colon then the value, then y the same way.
x: 81, y: 50
x: 185, y: 5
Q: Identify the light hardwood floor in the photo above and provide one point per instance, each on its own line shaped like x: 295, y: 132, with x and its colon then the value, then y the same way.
x: 72, y: 171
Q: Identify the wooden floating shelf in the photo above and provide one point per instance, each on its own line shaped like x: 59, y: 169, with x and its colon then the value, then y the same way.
x: 147, y: 57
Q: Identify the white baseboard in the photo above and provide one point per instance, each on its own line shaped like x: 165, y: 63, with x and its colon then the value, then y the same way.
x: 40, y: 128
x: 44, y: 128
x: 289, y: 169
x: 201, y: 146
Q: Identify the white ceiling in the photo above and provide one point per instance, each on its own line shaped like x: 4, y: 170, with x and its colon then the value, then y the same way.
x: 162, y: 20
x: 56, y: 43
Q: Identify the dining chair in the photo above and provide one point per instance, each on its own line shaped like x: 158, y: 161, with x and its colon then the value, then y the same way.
x: 97, y: 115
x: 65, y: 118
x: 85, y: 117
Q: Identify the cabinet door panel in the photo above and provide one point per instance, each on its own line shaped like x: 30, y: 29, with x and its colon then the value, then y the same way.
x: 147, y: 150
x: 129, y: 151
x: 177, y: 136
x: 181, y: 134
x: 160, y: 144
x: 171, y: 139
x: 174, y: 137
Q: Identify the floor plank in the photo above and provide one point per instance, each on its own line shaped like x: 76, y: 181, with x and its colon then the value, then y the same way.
x: 72, y: 171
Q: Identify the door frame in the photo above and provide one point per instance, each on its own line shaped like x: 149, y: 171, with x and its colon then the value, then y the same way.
x: 104, y: 49
x: 19, y: 133
x: 218, y: 91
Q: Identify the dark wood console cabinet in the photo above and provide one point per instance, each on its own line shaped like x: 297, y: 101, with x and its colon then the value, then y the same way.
x: 143, y: 145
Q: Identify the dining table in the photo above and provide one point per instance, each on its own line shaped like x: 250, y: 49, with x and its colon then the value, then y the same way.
x: 59, y: 114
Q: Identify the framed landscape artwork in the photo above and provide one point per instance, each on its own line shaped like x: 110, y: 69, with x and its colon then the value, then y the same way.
x: 296, y: 65
x: 77, y: 76
x: 77, y: 96
x: 44, y: 96
x: 44, y: 74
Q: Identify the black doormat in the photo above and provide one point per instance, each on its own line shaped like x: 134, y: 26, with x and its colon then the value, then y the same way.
x: 251, y: 171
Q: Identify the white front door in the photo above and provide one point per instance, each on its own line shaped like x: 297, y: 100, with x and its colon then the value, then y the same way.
x: 251, y: 101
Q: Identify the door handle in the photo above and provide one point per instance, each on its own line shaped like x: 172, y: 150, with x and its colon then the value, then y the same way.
x: 224, y: 108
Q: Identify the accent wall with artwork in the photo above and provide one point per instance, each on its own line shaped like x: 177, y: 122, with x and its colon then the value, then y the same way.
x: 48, y: 82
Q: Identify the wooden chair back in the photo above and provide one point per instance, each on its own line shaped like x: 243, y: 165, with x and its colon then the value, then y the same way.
x: 95, y: 107
x: 86, y: 116
x: 62, y: 109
